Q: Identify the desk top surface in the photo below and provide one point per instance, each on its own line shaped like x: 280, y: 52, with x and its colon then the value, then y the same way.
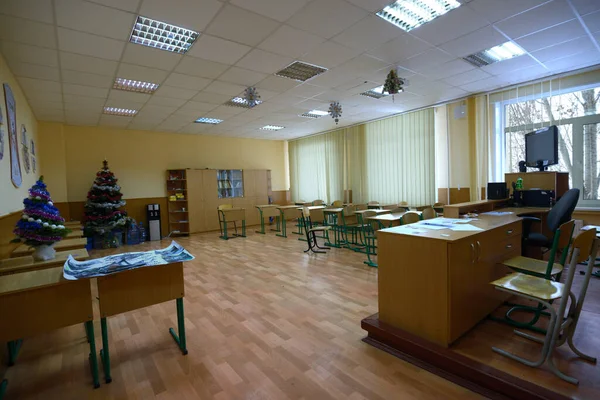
x: 266, y: 205
x: 73, y: 243
x: 393, y: 216
x: 32, y: 279
x: 287, y: 207
x: 312, y: 208
x: 376, y: 211
x: 231, y: 209
x: 475, y: 203
x: 25, y: 263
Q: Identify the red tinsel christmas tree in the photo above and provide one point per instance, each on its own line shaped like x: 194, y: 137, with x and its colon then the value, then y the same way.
x: 102, y: 213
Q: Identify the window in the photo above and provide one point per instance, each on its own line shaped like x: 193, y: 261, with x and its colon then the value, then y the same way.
x: 577, y: 115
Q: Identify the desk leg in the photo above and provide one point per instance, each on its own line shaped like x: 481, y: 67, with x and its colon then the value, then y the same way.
x: 299, y: 226
x: 3, y: 386
x: 13, y: 351
x: 262, y: 223
x: 180, y: 340
x: 277, y: 228
x: 224, y: 236
x: 283, y: 227
x: 89, y: 327
x: 105, y: 352
x: 243, y: 228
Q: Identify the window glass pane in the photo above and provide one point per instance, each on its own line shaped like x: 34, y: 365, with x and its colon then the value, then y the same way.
x: 591, y: 143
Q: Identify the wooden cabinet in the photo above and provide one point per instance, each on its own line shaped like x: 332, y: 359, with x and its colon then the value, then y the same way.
x: 547, y: 180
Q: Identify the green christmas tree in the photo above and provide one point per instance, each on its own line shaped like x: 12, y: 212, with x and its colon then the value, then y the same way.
x: 41, y: 223
x: 102, y: 213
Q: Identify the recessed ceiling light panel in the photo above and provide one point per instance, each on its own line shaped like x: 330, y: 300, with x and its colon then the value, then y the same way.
x: 240, y: 102
x: 376, y: 93
x: 272, y: 128
x: 152, y: 33
x: 124, y: 112
x: 210, y: 121
x: 496, y: 54
x: 135, y: 86
x: 314, y: 114
x: 300, y: 71
x: 410, y: 14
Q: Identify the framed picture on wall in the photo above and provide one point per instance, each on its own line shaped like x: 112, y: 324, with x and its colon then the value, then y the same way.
x: 13, y: 140
x: 25, y: 148
x: 32, y: 148
x: 1, y: 135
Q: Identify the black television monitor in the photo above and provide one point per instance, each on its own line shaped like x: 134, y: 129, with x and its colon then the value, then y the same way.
x: 541, y: 148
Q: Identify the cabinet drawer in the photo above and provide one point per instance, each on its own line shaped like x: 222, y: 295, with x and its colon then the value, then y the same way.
x: 496, y: 251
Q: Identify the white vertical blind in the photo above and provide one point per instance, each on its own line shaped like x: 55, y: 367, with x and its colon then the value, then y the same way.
x: 389, y: 161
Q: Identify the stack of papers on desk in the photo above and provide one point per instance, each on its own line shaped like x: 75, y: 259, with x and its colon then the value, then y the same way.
x: 454, y: 224
x: 498, y: 213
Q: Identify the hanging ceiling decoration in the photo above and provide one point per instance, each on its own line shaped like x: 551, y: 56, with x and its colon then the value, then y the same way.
x: 393, y: 84
x: 252, y: 97
x: 335, y: 110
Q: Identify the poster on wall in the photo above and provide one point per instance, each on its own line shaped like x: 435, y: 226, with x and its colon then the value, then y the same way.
x: 13, y: 140
x: 33, y: 166
x: 25, y: 148
x: 1, y: 135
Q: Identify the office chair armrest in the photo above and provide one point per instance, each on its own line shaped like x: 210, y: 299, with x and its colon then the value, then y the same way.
x: 527, y: 221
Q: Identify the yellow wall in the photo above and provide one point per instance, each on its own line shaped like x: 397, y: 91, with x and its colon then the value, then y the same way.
x: 53, y: 159
x: 140, y: 158
x: 11, y: 198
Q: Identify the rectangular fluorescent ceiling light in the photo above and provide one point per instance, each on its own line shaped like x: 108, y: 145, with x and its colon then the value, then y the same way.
x: 272, y: 128
x: 314, y: 114
x: 135, y: 86
x: 498, y: 53
x: 300, y: 71
x: 211, y: 121
x: 410, y: 14
x: 375, y: 93
x: 124, y: 112
x: 240, y: 102
x: 163, y: 36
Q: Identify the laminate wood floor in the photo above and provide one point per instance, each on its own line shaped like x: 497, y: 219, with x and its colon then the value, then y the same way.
x: 264, y: 321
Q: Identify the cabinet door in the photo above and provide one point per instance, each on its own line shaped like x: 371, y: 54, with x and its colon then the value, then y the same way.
x: 249, y: 184
x: 209, y: 183
x: 260, y: 183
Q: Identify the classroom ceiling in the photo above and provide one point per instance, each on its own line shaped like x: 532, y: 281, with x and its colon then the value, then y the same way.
x: 66, y: 55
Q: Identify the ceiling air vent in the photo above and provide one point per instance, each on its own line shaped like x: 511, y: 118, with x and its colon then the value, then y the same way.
x: 300, y: 71
x: 480, y: 59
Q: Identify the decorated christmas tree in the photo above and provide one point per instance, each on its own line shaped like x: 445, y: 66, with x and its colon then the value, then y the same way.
x: 41, y: 224
x: 102, y: 213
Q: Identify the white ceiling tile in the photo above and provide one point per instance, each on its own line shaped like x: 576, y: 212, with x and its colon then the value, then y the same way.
x: 241, y: 26
x: 513, y: 64
x: 49, y: 115
x: 122, y: 96
x: 576, y: 61
x: 584, y: 7
x: 78, y: 62
x: 89, y: 45
x: 404, y: 47
x: 29, y: 54
x: 371, y: 5
x: 524, y: 74
x: 280, y: 10
x: 262, y: 61
x: 327, y: 18
x: 175, y: 122
x: 73, y: 102
x: 176, y: 92
x: 141, y: 125
x: 139, y: 73
x: 187, y: 81
x: 196, y: 107
x: 242, y: 76
x: 126, y: 5
x: 166, y: 101
x: 494, y: 10
x: 30, y: 85
x: 37, y: 10
x: 440, y: 71
x: 481, y: 39
x: 330, y: 54
x: 219, y: 50
x: 69, y: 88
x: 291, y: 42
x: 144, y: 55
x: 576, y: 46
x: 153, y: 112
x: 551, y: 36
x: 86, y: 79
x: 79, y: 118
x: 433, y: 56
x: 539, y: 18
x: 190, y: 14
x: 592, y: 21
x: 45, y: 97
x: 212, y: 98
x: 35, y: 71
x: 277, y: 84
x: 25, y: 31
x: 114, y: 121
x: 307, y: 90
x: 224, y: 88
x: 198, y: 67
x: 94, y: 18
x: 467, y: 77
x: 362, y: 65
x: 456, y: 23
x: 368, y: 33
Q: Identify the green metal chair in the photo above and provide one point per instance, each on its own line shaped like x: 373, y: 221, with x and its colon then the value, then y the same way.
x: 370, y: 238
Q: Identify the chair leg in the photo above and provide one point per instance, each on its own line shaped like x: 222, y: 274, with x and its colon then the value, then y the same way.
x: 577, y: 351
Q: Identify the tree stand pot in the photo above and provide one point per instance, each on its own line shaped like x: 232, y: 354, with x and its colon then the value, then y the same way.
x: 44, y: 252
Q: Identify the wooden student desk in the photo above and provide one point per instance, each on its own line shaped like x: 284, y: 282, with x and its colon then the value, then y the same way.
x: 456, y: 210
x: 36, y: 302
x: 267, y: 211
x: 435, y: 283
x: 63, y: 245
x: 227, y: 215
x: 27, y: 263
x: 286, y: 213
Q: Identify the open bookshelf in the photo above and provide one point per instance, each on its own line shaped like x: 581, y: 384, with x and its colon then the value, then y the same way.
x: 177, y: 200
x: 230, y: 183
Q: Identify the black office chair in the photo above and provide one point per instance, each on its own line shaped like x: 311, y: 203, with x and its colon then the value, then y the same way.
x: 560, y: 213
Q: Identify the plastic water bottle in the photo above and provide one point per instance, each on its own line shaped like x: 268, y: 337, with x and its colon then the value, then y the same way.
x: 133, y: 235
x: 142, y: 231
